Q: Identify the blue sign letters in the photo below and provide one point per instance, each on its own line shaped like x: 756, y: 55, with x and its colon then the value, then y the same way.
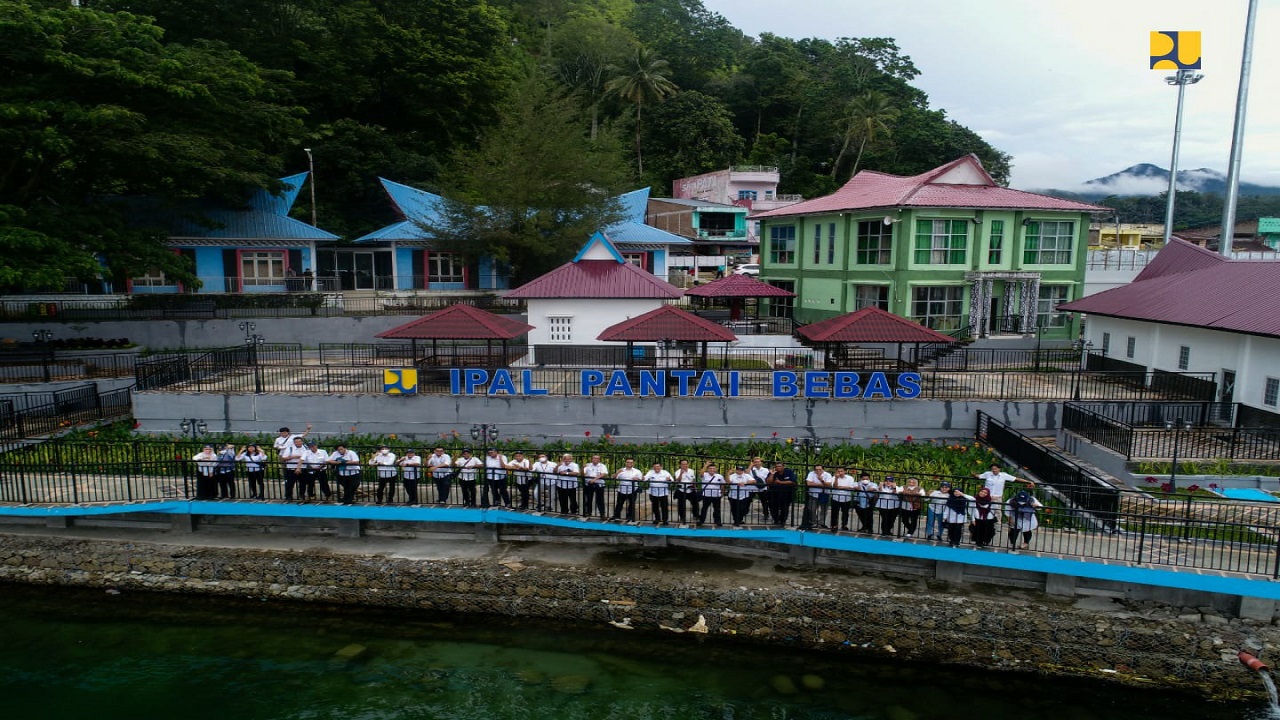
x: 840, y: 385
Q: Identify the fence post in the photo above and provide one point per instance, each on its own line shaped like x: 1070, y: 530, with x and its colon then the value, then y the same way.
x: 1142, y: 537
x: 1275, y: 570
x: 1186, y: 526
x: 327, y: 387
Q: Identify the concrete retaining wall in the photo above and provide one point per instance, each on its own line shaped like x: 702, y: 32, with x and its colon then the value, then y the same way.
x: 172, y: 334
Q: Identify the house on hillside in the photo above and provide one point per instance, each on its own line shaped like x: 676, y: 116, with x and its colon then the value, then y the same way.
x: 641, y: 244
x: 251, y: 249
x: 948, y: 248
x: 1192, y: 310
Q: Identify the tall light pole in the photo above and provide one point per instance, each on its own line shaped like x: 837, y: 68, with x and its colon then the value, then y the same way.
x: 311, y: 175
x: 1182, y: 79
x: 1176, y: 427
x: 1237, y: 137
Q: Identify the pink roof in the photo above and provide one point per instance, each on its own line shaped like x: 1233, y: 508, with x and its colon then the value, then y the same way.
x: 458, y: 322
x: 667, y: 323
x: 870, y: 190
x: 1191, y: 288
x: 737, y: 286
x: 596, y: 279
x: 871, y: 325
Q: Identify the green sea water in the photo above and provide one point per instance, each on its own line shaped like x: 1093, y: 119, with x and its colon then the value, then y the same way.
x: 89, y: 654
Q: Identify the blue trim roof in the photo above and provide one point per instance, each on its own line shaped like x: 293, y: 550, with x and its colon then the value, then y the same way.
x: 266, y: 217
x: 599, y: 238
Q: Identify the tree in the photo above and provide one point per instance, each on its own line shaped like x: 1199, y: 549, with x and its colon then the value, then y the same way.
x: 585, y: 50
x: 870, y: 118
x: 95, y: 106
x: 642, y: 80
x: 696, y: 134
x: 535, y: 188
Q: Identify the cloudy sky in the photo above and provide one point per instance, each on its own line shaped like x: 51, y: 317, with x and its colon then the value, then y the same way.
x: 1064, y: 85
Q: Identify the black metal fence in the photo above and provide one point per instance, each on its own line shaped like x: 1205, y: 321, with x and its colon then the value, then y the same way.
x: 38, y: 366
x: 1085, y: 490
x: 201, y: 306
x: 1162, y: 430
x: 217, y: 365
x: 68, y: 409
x: 949, y: 357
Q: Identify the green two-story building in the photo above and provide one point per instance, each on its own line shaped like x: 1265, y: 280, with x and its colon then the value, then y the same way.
x: 948, y: 248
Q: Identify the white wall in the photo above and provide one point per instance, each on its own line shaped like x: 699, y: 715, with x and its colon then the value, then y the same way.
x: 590, y: 317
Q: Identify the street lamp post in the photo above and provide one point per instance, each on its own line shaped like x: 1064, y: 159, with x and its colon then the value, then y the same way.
x: 1176, y: 426
x: 485, y: 432
x: 42, y: 338
x: 193, y: 427
x: 311, y: 176
x: 1083, y: 346
x: 1182, y: 79
x: 253, y: 342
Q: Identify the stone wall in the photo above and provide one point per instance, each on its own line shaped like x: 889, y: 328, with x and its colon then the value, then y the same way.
x: 924, y: 621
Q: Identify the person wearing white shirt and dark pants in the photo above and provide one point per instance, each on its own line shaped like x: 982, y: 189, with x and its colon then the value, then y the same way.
x: 888, y: 504
x: 817, y: 495
x: 567, y: 473
x: 742, y: 486
x: 659, y: 482
x: 629, y: 478
x: 347, y: 463
x: 593, y: 474
x: 519, y: 467
x: 254, y: 469
x: 842, y: 487
x: 226, y: 473
x: 711, y: 491
x: 442, y: 473
x: 411, y: 472
x: 206, y: 469
x: 544, y: 474
x: 468, y: 469
x: 384, y: 462
x: 685, y: 490
x: 495, y: 479
x: 313, y: 465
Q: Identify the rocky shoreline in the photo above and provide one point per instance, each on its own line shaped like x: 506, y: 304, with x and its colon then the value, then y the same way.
x: 1190, y: 649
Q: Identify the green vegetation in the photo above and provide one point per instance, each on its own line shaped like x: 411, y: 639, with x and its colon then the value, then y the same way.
x: 1221, y: 466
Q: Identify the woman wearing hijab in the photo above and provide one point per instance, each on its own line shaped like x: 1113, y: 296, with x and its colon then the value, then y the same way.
x: 955, y: 514
x: 1022, y: 518
x: 985, y: 513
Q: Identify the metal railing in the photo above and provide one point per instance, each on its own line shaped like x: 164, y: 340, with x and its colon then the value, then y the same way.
x: 24, y: 367
x: 68, y: 409
x: 1138, y: 430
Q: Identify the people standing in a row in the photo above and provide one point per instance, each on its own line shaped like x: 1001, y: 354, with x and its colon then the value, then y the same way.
x: 629, y: 478
x: 659, y: 482
x: 743, y: 487
x: 568, y: 474
x: 411, y: 472
x: 384, y: 463
x: 347, y: 463
x: 781, y: 492
x: 255, y: 464
x: 206, y: 467
x: 441, y: 473
x: 594, y: 474
x: 709, y: 493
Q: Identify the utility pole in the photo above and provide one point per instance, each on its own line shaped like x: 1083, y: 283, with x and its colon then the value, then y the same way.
x: 1237, y: 137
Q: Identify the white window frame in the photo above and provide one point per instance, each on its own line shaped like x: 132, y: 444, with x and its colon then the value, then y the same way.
x: 154, y: 277
x: 862, y: 297
x: 1051, y: 248
x: 1047, y: 314
x: 951, y: 296
x: 882, y: 252
x: 946, y: 236
x: 252, y: 262
x: 445, y: 268
x: 560, y: 328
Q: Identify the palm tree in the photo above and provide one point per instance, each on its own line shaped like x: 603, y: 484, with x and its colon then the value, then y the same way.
x: 642, y: 80
x: 869, y: 118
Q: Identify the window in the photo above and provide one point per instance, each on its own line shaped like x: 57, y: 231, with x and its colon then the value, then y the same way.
x: 831, y: 244
x: 865, y: 296
x: 817, y: 243
x: 1049, y: 243
x: 561, y: 329
x: 747, y: 195
x: 1106, y: 343
x: 445, y: 268
x: 995, y: 247
x: 782, y: 245
x: 1130, y: 347
x: 782, y: 306
x: 1184, y: 357
x: 637, y: 259
x: 264, y: 267
x: 153, y: 278
x: 768, y: 194
x: 1051, y: 296
x: 875, y: 241
x: 941, y: 242
x: 1271, y: 392
x: 938, y: 307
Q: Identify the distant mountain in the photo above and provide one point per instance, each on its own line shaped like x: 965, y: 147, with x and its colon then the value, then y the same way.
x: 1148, y: 179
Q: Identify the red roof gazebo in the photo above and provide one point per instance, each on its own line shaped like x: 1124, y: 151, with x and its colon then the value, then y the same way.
x: 459, y: 322
x: 868, y: 325
x: 736, y: 288
x: 665, y: 325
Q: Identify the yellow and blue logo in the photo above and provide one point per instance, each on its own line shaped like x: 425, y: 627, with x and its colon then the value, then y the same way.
x: 400, y: 381
x: 1175, y: 49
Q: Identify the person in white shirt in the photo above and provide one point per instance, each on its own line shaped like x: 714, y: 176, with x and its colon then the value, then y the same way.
x: 289, y: 457
x: 817, y: 495
x: 629, y: 478
x: 910, y: 498
x: 285, y: 439
x: 468, y: 469
x: 442, y: 473
x: 347, y: 463
x: 495, y: 479
x: 742, y: 487
x: 411, y: 472
x: 544, y: 473
x: 685, y: 490
x: 864, y: 503
x: 995, y: 480
x: 955, y: 515
x: 519, y: 467
x: 254, y: 470
x: 594, y: 474
x: 385, y: 463
x: 933, y: 526
x: 760, y: 474
x: 887, y: 504
x: 206, y: 468
x: 710, y: 492
x: 659, y: 482
x: 225, y: 476
x: 313, y: 466
x: 842, y: 487
x: 1022, y: 518
x: 567, y: 479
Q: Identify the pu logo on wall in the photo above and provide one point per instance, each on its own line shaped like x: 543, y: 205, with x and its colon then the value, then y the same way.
x: 400, y: 381
x: 1175, y: 49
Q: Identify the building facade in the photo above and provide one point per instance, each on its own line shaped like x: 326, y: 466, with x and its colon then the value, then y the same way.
x: 948, y: 248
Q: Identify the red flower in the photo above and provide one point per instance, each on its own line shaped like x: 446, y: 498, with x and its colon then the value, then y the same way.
x: 775, y: 433
x: 587, y: 433
x: 909, y: 438
x: 137, y: 424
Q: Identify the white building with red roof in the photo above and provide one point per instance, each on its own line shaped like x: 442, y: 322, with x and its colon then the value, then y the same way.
x: 570, y: 306
x: 949, y: 248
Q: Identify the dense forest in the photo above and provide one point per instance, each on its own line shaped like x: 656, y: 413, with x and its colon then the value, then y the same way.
x: 536, y: 109
x: 1190, y: 209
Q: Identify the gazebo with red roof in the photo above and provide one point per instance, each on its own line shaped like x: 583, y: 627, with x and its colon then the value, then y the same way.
x: 664, y: 326
x: 870, y: 325
x: 459, y: 322
x: 735, y: 289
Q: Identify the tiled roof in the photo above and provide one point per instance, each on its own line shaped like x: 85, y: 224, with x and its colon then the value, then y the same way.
x: 596, y: 279
x: 737, y: 286
x: 1193, y: 289
x: 871, y: 325
x: 458, y: 322
x: 264, y: 217
x: 689, y: 202
x: 873, y: 190
x: 667, y: 323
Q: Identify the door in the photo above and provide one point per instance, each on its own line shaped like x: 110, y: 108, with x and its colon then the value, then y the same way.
x: 994, y: 321
x: 364, y: 270
x: 1228, y: 386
